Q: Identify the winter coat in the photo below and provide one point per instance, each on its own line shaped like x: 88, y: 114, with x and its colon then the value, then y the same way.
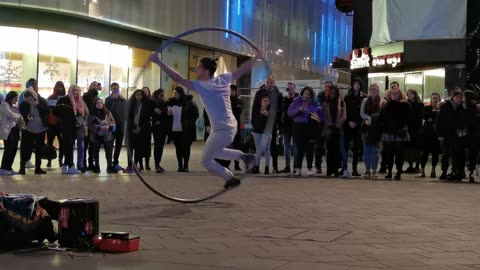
x: 190, y: 115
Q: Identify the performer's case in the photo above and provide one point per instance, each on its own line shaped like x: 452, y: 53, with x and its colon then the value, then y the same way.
x: 78, y: 222
x: 116, y: 242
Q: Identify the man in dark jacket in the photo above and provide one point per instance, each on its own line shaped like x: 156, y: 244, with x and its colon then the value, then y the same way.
x: 287, y: 125
x: 452, y: 131
x: 274, y: 122
x: 118, y: 106
x: 237, y: 108
x: 351, y: 130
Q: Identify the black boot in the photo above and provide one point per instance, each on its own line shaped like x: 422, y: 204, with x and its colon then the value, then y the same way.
x: 256, y: 170
x: 267, y: 170
x: 237, y: 166
x: 389, y: 175
x: 147, y: 164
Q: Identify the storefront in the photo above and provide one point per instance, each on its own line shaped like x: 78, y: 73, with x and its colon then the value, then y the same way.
x: 425, y: 66
x: 79, y: 50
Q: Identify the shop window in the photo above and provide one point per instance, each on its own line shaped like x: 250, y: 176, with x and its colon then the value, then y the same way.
x: 177, y: 56
x: 93, y: 62
x: 18, y: 57
x: 120, y: 59
x: 139, y: 77
x: 57, y: 60
x: 400, y: 78
x: 414, y: 81
x: 434, y: 82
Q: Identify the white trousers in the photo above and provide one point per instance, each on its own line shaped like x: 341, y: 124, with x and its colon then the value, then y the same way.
x: 216, y: 147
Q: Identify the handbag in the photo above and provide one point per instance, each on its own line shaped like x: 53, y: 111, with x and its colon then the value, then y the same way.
x: 49, y: 152
x: 80, y: 121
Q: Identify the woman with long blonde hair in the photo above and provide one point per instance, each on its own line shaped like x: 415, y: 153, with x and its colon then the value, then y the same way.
x: 371, y: 129
x: 72, y: 114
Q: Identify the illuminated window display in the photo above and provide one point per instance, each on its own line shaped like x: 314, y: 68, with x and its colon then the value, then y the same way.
x: 93, y: 62
x: 73, y: 59
x: 150, y: 76
x: 57, y: 60
x: 18, y: 57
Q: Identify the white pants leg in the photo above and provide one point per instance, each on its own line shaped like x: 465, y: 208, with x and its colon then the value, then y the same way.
x: 216, y: 147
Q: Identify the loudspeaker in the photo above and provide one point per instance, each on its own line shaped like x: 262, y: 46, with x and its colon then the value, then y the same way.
x: 78, y: 223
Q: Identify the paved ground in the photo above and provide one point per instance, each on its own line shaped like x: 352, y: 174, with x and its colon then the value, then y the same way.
x: 269, y: 223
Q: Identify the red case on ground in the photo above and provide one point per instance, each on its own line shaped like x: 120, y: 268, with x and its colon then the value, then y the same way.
x: 116, y: 245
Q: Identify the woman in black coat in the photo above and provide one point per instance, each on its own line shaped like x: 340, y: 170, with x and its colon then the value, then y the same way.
x: 184, y: 132
x: 138, y: 128
x: 394, y: 120
x: 161, y: 125
x: 414, y: 128
x: 429, y: 136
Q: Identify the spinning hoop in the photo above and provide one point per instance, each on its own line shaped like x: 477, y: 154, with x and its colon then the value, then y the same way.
x: 159, y: 50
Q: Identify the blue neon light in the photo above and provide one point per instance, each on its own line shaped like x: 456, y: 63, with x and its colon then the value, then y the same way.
x: 315, y: 48
x: 238, y: 7
x: 346, y: 38
x: 322, y: 39
x: 227, y: 18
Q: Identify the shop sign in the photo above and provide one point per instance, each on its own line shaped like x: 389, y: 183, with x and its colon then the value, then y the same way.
x: 362, y: 58
x: 389, y: 59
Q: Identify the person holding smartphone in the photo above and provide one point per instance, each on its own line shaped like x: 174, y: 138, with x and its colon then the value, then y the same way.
x: 34, y: 110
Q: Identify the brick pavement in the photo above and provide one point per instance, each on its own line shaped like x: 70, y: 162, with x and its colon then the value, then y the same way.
x: 273, y: 222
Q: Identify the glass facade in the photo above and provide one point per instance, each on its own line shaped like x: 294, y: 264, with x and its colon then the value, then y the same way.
x: 305, y: 34
x: 18, y: 57
x: 73, y: 59
x: 424, y: 82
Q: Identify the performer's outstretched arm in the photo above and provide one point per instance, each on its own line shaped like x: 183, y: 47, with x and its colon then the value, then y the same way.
x: 247, y: 66
x: 171, y: 72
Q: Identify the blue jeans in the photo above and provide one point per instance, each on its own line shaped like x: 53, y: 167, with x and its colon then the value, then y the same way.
x: 287, y: 148
x: 370, y: 156
x: 79, y: 137
x: 262, y: 146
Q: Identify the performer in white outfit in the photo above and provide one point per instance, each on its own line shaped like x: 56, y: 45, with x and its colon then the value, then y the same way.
x: 215, y: 95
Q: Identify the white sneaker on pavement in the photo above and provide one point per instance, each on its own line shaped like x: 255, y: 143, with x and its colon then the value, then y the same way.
x: 73, y: 170
x: 29, y: 165
x: 346, y: 174
x: 249, y: 160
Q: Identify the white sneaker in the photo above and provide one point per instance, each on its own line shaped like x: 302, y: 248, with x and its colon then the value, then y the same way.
x: 310, y: 173
x: 64, y: 169
x: 346, y: 174
x: 73, y: 170
x: 249, y: 161
x: 299, y: 172
x: 29, y: 165
x: 477, y: 170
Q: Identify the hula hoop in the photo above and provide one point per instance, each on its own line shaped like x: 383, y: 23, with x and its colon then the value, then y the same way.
x: 135, y: 168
